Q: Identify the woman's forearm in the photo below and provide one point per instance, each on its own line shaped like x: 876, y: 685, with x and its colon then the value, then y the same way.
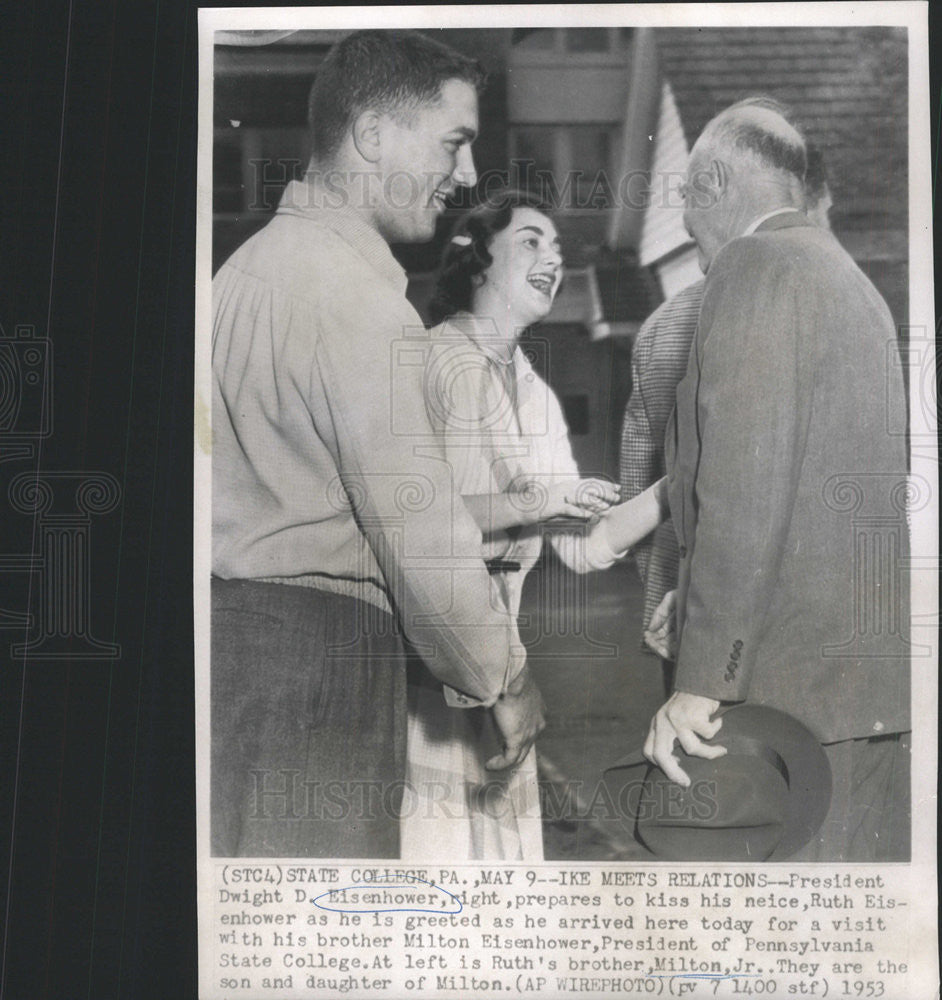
x: 631, y: 521
x: 498, y: 511
x: 620, y: 528
x: 615, y: 532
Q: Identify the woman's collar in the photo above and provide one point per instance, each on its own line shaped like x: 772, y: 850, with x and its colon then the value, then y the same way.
x: 483, y: 332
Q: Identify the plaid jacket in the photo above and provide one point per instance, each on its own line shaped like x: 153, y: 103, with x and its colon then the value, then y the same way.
x: 658, y: 363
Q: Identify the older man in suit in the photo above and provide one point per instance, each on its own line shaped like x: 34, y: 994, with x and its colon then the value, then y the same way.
x: 780, y: 417
x: 658, y: 363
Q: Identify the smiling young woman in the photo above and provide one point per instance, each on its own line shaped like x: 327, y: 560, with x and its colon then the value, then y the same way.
x: 506, y: 440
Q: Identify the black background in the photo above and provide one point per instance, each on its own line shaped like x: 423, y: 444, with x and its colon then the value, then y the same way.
x: 97, y: 804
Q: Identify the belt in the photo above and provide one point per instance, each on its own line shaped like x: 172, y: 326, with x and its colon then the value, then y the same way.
x: 495, y: 566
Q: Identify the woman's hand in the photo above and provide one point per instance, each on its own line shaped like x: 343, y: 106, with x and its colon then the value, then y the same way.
x: 544, y: 499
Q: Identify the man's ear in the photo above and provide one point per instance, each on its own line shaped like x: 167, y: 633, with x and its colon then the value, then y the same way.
x: 366, y: 135
x: 719, y: 177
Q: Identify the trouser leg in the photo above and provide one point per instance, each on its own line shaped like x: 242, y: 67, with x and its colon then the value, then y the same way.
x: 308, y: 724
x: 869, y: 815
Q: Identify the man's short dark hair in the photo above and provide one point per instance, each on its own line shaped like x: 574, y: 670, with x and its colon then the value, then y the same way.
x: 394, y: 72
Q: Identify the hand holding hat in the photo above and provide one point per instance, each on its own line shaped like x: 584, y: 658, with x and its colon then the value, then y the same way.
x: 761, y: 798
x: 683, y: 718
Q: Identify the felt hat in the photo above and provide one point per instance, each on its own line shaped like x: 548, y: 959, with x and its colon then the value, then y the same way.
x: 762, y: 801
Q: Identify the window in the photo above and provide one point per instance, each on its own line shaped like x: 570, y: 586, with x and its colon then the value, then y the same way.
x: 591, y: 145
x: 572, y: 41
x: 565, y: 158
x: 537, y: 143
x: 541, y: 39
x: 587, y: 39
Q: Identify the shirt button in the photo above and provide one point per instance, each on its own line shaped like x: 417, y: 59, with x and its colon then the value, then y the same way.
x: 878, y: 727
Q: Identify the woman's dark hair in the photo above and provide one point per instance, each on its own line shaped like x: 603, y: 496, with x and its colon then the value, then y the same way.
x: 467, y: 254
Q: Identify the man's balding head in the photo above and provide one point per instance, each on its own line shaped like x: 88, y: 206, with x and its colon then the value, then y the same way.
x: 817, y: 190
x: 758, y: 138
x: 749, y: 160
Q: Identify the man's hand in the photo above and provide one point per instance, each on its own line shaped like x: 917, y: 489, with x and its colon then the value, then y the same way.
x: 518, y: 715
x: 661, y: 633
x: 684, y: 717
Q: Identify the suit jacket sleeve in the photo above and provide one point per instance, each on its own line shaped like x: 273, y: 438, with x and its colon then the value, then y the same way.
x: 749, y: 423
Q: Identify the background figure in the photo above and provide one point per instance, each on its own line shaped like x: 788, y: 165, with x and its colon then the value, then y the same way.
x: 658, y: 363
x: 507, y: 444
x: 332, y: 533
x: 784, y: 398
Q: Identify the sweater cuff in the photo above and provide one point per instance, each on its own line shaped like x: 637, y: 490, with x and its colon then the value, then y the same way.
x: 460, y: 699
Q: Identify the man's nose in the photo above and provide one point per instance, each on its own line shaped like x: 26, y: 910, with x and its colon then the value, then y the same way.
x: 465, y: 172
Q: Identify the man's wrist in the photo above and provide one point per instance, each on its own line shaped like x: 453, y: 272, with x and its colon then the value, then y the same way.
x: 715, y: 703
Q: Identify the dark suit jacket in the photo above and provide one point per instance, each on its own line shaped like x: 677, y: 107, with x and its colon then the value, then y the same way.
x: 786, y: 478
